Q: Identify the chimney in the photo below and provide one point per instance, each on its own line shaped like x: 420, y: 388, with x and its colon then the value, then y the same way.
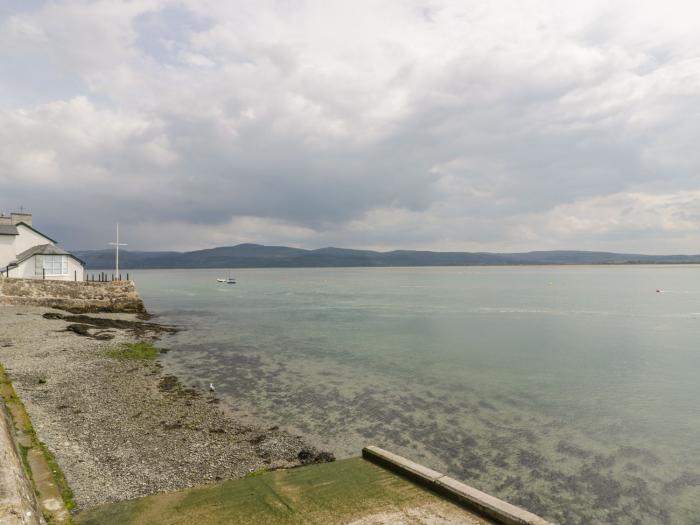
x: 21, y: 217
x: 5, y: 219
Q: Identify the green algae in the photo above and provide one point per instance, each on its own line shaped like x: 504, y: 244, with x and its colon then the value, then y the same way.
x: 326, y: 493
x: 141, y: 351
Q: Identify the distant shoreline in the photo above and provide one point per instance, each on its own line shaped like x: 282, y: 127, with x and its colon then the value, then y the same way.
x: 260, y: 256
x: 524, y: 265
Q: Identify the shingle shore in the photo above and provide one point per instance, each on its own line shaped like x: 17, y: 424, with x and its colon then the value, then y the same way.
x: 120, y: 429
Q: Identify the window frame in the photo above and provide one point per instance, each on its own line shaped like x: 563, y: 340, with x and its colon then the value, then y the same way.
x: 51, y: 265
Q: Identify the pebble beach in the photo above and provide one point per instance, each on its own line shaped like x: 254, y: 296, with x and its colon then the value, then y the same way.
x: 121, y: 428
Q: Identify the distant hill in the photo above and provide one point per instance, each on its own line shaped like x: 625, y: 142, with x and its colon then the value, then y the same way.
x: 259, y: 256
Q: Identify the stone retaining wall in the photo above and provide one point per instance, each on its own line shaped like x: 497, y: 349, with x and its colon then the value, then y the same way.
x: 18, y: 505
x: 115, y: 296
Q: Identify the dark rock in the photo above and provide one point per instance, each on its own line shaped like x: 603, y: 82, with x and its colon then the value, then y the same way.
x: 168, y: 384
x: 309, y: 456
x: 137, y: 328
x: 80, y: 329
x: 325, y: 457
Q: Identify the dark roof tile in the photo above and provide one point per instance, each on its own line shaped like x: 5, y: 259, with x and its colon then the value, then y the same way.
x: 44, y: 249
x: 8, y: 229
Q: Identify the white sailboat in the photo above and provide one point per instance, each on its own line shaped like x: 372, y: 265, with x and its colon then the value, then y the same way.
x: 229, y: 280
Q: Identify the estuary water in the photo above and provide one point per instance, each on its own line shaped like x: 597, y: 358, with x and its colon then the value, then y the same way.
x: 571, y: 391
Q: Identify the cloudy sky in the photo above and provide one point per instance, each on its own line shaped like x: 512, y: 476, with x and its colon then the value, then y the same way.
x: 465, y: 125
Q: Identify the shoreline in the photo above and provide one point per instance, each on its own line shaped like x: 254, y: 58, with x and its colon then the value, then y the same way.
x: 119, y: 427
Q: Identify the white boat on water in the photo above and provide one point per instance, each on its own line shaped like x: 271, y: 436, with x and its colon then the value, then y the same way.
x: 229, y: 280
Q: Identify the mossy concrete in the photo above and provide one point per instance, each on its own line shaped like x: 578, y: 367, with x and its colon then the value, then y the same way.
x: 42, y: 471
x: 348, y: 491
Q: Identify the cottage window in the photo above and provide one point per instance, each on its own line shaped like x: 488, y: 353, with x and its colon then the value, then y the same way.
x: 51, y: 265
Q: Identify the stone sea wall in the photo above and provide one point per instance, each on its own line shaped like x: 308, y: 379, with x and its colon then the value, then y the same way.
x: 114, y: 296
x: 18, y: 505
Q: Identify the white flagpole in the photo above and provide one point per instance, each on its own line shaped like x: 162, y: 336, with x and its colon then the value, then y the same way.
x: 117, y: 245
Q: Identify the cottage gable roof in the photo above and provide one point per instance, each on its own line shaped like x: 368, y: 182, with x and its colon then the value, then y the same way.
x: 35, y: 231
x: 44, y: 249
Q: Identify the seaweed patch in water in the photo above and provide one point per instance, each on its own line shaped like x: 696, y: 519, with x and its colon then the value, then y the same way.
x: 572, y: 450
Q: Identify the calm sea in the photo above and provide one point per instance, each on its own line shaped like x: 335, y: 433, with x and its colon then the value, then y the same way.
x: 572, y: 391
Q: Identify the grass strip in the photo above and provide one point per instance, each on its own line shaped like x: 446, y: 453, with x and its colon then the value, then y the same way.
x: 141, y: 351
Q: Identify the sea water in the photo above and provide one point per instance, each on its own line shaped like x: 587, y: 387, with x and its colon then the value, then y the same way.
x: 571, y: 391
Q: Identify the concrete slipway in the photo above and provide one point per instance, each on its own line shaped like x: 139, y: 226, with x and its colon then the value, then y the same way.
x: 380, y: 488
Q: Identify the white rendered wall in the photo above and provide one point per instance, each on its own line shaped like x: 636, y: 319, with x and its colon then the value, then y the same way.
x: 74, y: 267
x: 26, y: 270
x: 7, y: 250
x: 28, y: 238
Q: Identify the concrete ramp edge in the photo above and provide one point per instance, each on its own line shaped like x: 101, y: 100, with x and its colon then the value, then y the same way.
x: 471, y: 498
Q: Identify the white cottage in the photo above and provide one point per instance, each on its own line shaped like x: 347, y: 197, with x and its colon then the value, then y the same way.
x: 29, y: 254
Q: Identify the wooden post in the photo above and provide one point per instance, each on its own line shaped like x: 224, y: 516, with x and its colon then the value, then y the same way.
x: 75, y: 275
x: 127, y: 276
x: 120, y: 277
x: 43, y: 274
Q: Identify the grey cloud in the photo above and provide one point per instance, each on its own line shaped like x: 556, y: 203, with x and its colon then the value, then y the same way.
x: 438, y: 125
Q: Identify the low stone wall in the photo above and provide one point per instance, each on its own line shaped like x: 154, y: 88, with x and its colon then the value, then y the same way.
x: 114, y: 296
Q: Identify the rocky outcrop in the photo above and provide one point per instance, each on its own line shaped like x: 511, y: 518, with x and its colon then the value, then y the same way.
x: 76, y: 297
